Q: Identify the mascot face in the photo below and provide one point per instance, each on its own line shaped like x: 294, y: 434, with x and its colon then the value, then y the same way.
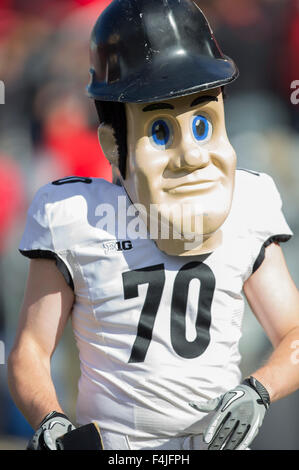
x: 181, y: 169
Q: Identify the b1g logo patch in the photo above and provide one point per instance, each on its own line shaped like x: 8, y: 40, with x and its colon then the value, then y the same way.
x: 113, y: 246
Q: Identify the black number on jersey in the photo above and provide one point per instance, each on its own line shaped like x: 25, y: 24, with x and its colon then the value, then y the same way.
x: 154, y: 276
x: 202, y: 272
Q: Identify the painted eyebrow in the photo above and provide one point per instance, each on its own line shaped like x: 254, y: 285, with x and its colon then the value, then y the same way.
x: 203, y: 99
x: 199, y: 100
x: 155, y: 106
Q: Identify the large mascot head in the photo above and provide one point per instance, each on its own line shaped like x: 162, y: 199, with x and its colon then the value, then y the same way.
x: 157, y: 76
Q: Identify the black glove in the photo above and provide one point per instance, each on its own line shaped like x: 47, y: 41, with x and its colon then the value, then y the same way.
x: 237, y: 417
x: 52, y: 426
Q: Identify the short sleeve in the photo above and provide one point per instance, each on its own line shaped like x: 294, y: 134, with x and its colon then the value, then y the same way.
x: 37, y: 239
x: 37, y: 234
x: 270, y: 225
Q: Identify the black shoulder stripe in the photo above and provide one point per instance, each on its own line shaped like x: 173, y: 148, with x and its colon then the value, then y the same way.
x: 46, y: 254
x: 249, y: 171
x: 72, y: 179
x: 273, y: 239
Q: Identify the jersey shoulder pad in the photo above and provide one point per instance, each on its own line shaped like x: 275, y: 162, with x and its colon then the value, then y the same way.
x: 259, y: 206
x: 61, y: 214
x: 256, y: 191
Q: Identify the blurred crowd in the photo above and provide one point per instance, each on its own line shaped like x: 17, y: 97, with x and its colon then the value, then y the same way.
x: 48, y: 128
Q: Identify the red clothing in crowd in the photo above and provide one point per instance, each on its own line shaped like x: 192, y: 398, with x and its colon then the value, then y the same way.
x: 80, y: 154
x: 11, y: 197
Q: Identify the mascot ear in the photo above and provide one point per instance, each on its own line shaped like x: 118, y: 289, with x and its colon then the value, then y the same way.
x: 108, y: 143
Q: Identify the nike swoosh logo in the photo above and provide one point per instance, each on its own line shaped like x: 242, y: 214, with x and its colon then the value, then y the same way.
x: 237, y: 394
x: 56, y: 422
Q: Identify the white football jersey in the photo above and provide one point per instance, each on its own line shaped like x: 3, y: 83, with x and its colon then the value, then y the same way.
x: 154, y: 331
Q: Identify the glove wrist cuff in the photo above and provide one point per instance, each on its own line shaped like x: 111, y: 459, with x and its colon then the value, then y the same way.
x: 260, y: 389
x: 52, y: 414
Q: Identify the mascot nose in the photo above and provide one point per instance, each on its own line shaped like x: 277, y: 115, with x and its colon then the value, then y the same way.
x: 195, y: 157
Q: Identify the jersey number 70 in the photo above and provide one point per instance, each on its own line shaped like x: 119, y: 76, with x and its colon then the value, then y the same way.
x: 154, y: 276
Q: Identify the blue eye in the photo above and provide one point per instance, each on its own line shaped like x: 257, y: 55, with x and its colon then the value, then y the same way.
x: 161, y: 133
x: 201, y: 128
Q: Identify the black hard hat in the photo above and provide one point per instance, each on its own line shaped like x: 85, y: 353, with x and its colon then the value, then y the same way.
x: 150, y: 50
